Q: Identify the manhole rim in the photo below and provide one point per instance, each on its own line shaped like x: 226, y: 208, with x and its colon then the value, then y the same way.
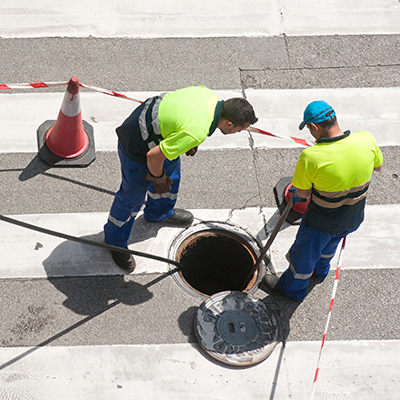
x: 213, y: 225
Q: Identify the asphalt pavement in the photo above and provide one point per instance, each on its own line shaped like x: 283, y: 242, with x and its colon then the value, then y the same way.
x: 78, y: 310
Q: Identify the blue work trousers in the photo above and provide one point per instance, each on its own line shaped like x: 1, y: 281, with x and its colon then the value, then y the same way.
x: 310, y: 254
x: 132, y: 194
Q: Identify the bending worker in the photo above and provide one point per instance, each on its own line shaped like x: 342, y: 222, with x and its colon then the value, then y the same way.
x: 336, y: 173
x: 150, y: 142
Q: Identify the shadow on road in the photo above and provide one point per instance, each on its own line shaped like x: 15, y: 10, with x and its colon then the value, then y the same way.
x: 284, y: 308
x: 92, y: 295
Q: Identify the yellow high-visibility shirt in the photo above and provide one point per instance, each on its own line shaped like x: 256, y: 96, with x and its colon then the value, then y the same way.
x: 185, y: 117
x: 338, y: 170
x: 339, y: 164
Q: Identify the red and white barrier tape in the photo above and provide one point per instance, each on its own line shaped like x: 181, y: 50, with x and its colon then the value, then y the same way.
x: 297, y: 140
x: 109, y: 92
x: 339, y: 266
x: 37, y: 85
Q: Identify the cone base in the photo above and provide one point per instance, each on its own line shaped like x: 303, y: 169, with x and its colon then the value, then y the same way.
x: 293, y: 217
x: 54, y: 160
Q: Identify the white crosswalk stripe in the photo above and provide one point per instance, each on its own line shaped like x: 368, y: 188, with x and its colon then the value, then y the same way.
x: 54, y: 257
x: 174, y: 369
x: 278, y: 112
x: 140, y: 372
x: 207, y: 18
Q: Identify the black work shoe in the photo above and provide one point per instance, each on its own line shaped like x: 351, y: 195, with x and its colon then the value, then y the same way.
x: 179, y: 218
x: 270, y: 284
x: 124, y: 261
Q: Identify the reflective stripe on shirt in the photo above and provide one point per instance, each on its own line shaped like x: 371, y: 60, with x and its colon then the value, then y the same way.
x: 149, y: 118
x: 347, y: 197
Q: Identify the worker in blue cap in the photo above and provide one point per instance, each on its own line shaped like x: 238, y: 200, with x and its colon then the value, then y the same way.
x: 336, y: 174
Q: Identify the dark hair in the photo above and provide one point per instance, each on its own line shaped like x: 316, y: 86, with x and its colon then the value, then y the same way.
x: 327, y: 123
x: 239, y: 111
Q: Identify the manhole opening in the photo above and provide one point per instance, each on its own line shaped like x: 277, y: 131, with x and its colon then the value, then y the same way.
x: 215, y: 261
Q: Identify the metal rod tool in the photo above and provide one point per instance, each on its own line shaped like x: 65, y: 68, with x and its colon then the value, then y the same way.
x: 269, y: 242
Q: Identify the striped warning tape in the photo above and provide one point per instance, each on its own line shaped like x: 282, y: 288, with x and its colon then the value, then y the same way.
x: 338, y: 268
x: 109, y: 92
x: 297, y: 140
x: 37, y: 85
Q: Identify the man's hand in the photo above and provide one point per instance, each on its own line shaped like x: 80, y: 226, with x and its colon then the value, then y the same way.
x: 163, y: 187
x: 162, y: 184
x: 295, y: 197
x: 192, y: 151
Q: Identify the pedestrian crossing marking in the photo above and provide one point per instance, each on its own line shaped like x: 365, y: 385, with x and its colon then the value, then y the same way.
x: 279, y: 112
x: 182, y: 371
x: 29, y: 254
x: 157, y: 18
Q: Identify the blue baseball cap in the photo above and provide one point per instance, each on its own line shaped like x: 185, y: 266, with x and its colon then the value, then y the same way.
x: 317, y: 111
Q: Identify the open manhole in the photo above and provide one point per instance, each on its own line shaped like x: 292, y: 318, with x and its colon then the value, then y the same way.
x: 216, y: 258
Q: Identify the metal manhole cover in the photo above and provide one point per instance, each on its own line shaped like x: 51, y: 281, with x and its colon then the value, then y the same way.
x: 236, y: 329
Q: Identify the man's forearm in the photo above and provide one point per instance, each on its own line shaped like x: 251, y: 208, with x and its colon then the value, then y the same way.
x: 155, y: 161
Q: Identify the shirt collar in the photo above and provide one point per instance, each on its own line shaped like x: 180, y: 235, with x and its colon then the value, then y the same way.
x: 334, y: 139
x: 217, y: 116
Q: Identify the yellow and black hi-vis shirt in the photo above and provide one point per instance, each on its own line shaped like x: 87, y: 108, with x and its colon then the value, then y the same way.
x: 338, y: 170
x: 177, y: 121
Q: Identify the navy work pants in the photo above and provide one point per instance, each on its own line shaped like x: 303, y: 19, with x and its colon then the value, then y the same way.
x: 310, y: 254
x: 132, y: 195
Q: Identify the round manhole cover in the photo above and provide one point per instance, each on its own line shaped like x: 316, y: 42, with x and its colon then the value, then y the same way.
x: 236, y: 329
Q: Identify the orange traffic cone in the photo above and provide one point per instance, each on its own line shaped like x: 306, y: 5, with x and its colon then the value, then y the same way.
x: 69, y: 141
